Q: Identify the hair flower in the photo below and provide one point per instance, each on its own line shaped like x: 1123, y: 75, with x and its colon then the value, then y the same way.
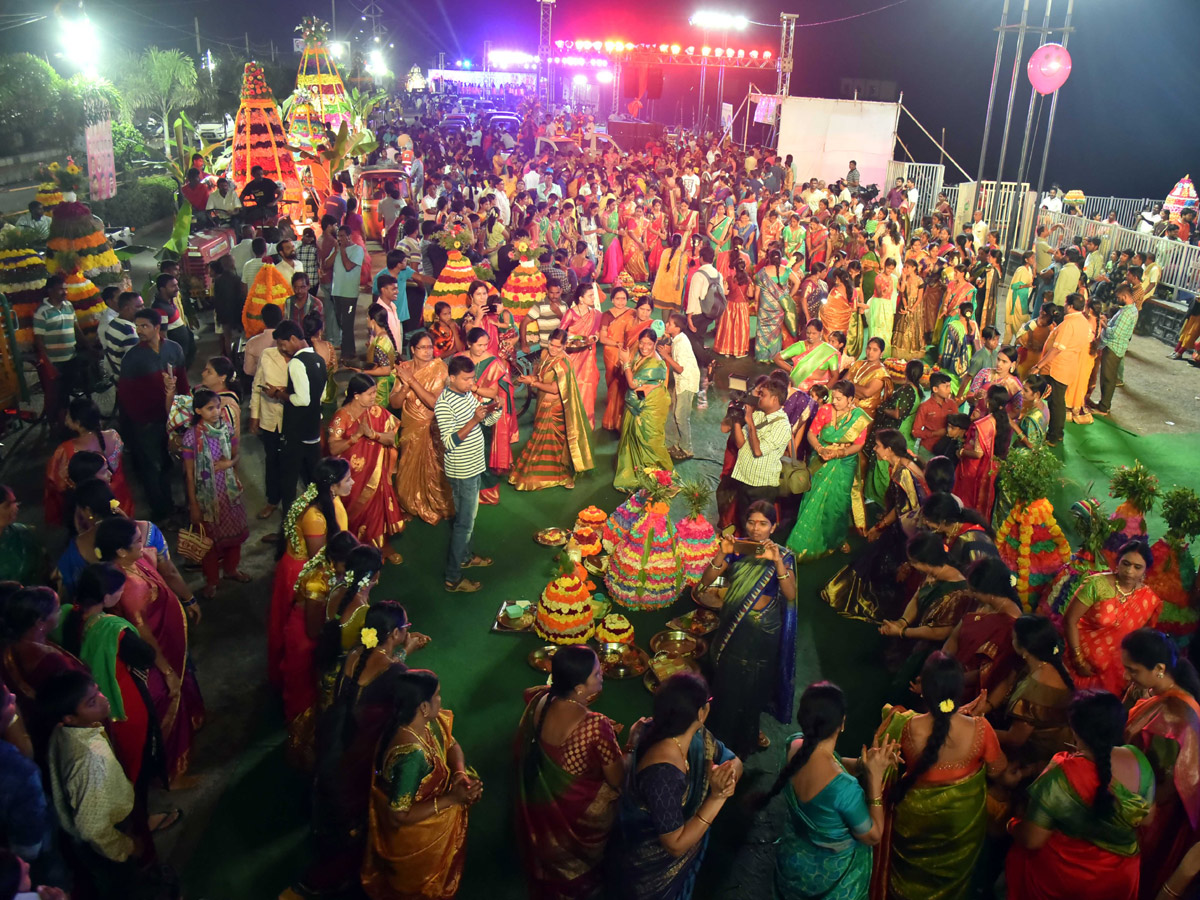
x: 97, y: 552
x: 1012, y: 579
x: 1056, y: 651
x: 946, y: 706
x: 114, y: 504
x: 369, y: 638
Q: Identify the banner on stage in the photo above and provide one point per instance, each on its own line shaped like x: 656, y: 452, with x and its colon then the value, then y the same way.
x: 726, y: 115
x: 767, y: 109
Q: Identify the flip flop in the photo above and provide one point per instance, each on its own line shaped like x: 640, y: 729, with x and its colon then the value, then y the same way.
x: 266, y: 512
x: 169, y: 820
x: 394, y: 558
x: 463, y: 586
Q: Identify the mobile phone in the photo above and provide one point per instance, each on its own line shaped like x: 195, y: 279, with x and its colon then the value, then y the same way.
x: 747, y: 548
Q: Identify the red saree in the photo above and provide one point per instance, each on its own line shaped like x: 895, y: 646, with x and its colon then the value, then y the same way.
x: 975, y: 479
x: 565, y: 808
x: 57, y: 483
x: 582, y: 353
x: 147, y: 601
x: 985, y: 647
x: 835, y: 314
x: 1104, y: 625
x: 614, y: 325
x: 373, y: 511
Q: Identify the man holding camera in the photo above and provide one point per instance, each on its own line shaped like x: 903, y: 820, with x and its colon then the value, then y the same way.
x: 761, y: 436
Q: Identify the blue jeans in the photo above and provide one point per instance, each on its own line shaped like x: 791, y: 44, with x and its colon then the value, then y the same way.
x: 466, y: 503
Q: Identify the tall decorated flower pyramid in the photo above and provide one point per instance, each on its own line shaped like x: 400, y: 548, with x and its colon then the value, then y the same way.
x: 617, y: 526
x: 77, y: 241
x: 1030, y: 540
x: 526, y: 285
x: 645, y: 570
x: 1173, y: 575
x: 269, y: 287
x: 259, y: 140
x: 1182, y: 196
x: 304, y: 126
x: 85, y: 298
x: 49, y: 194
x: 456, y: 276
x: 697, y: 537
x: 564, y: 613
x: 22, y: 280
x: 1137, y: 489
x: 318, y: 75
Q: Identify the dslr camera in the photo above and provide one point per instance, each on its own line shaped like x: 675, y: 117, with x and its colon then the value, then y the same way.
x: 738, y: 401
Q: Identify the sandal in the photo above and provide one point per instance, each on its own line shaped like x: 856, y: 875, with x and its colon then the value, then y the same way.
x: 478, y: 562
x: 763, y: 741
x: 393, y: 558
x: 166, y: 820
x: 462, y: 586
x: 267, y: 511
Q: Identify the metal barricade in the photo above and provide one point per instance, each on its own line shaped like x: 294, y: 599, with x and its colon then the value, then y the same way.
x: 1126, y: 208
x: 927, y: 177
x: 1180, y: 262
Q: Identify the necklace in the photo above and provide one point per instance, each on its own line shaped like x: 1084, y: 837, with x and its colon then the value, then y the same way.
x: 687, y: 766
x: 1123, y: 595
x: 430, y: 748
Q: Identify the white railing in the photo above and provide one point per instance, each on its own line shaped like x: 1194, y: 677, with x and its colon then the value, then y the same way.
x: 1126, y: 208
x: 927, y: 177
x: 1180, y: 262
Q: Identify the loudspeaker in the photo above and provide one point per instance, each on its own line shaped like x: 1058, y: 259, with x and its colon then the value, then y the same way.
x: 631, y: 81
x: 654, y: 82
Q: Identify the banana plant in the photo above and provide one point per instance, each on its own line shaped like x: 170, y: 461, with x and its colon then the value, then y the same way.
x: 345, y: 145
x: 182, y: 150
x: 362, y: 104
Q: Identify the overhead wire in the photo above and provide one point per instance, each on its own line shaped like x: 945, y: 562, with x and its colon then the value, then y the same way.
x: 832, y: 21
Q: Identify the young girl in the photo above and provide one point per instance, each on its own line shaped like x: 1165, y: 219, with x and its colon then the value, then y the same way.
x: 215, y: 501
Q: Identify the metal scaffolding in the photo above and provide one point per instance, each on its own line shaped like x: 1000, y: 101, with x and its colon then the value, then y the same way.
x: 546, y: 8
x: 787, y: 40
x: 372, y: 14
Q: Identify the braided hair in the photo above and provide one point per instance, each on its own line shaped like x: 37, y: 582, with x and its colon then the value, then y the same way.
x: 409, y: 690
x: 997, y: 407
x: 990, y: 575
x: 1098, y: 720
x: 821, y: 712
x: 894, y: 441
x: 945, y: 509
x: 378, y: 314
x: 329, y: 472
x: 384, y: 617
x: 1150, y: 649
x: 1038, y: 637
x: 942, y: 687
x: 570, y: 667
x: 362, y: 564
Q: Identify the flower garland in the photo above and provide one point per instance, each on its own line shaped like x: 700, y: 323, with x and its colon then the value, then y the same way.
x: 1036, y: 562
x: 291, y: 521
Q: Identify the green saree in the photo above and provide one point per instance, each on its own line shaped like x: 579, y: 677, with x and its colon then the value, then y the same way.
x: 824, y: 519
x: 643, y: 430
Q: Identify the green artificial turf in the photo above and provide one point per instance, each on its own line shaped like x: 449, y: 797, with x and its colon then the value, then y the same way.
x: 257, y: 840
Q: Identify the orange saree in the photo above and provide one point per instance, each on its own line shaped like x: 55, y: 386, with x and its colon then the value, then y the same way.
x: 420, y: 479
x: 373, y: 509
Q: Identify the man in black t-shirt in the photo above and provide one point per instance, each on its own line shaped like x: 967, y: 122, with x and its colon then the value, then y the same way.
x: 263, y: 194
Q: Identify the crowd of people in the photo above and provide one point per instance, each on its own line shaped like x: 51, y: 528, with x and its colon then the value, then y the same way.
x: 1058, y: 749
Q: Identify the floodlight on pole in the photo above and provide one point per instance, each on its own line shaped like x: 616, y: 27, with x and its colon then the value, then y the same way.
x: 711, y: 20
x: 81, y: 43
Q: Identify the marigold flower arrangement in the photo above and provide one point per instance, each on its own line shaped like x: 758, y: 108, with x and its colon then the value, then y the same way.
x: 1030, y: 540
x: 1174, y: 572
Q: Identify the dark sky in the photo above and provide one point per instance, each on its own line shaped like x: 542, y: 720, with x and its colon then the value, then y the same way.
x: 1132, y: 89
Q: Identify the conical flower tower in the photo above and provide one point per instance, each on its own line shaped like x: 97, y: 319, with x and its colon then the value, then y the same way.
x: 22, y: 280
x: 318, y: 76
x: 77, y: 242
x: 259, y: 140
x: 305, y: 128
x: 454, y: 279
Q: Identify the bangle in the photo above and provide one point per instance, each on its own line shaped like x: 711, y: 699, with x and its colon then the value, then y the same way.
x: 875, y: 801
x: 436, y: 811
x: 714, y: 564
x: 782, y: 576
x: 704, y: 820
x: 904, y: 620
x: 1169, y: 891
x: 190, y: 601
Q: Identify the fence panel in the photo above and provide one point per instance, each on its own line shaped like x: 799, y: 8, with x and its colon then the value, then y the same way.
x: 1180, y: 262
x: 928, y: 180
x: 1126, y: 208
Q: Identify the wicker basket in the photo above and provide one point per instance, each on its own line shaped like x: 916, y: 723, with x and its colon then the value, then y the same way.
x: 193, y: 545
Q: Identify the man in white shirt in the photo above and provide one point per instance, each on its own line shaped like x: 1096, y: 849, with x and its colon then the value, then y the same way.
x: 532, y: 178
x: 243, y: 249
x: 681, y: 360
x: 698, y: 321
x: 266, y: 418
x: 912, y: 194
x: 347, y: 272
x: 1052, y: 202
x: 1148, y: 218
x: 258, y: 249
x: 224, y: 203
x: 979, y: 230
x: 36, y: 221
x: 691, y: 184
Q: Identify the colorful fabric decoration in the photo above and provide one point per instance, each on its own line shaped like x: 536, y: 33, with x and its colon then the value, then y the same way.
x: 1182, y: 196
x: 318, y: 76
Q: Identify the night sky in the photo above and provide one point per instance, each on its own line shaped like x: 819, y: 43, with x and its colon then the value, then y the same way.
x: 1133, y: 85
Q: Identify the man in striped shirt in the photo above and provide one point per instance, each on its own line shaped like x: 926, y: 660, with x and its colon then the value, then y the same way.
x: 1114, y: 342
x: 460, y: 417
x: 120, y: 333
x: 54, y: 333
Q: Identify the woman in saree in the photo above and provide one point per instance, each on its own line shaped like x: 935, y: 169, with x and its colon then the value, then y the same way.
x: 421, y: 482
x: 933, y: 280
x: 492, y: 383
x: 687, y: 221
x: 1078, y: 836
x: 1164, y: 723
x: 959, y: 290
x: 935, y: 817
x: 445, y: 333
x: 967, y: 534
x: 1105, y: 607
x: 811, y: 361
x: 818, y: 243
x: 881, y: 307
x: 979, y: 459
x: 671, y: 275
x: 746, y: 231
x: 309, y: 527
x: 582, y: 325
x: 161, y: 621
x: 837, y: 434
x: 832, y: 822
x: 616, y: 324
x: 812, y: 294
x: 957, y: 346
x: 656, y: 235
x: 314, y: 333
x: 678, y: 778
x: 84, y: 420
x: 216, y: 506
x: 871, y: 268
x: 421, y: 792
x: 1031, y: 340
x: 335, y: 617
x: 982, y: 639
x: 1032, y: 702
x: 771, y: 233
x: 22, y: 556
x: 633, y: 246
x: 610, y: 244
x: 753, y: 651
x: 560, y: 446
x: 872, y: 383
x: 28, y: 657
x: 1005, y: 375
x: 365, y: 435
x: 720, y: 231
x: 733, y: 327
x: 776, y: 286
x: 839, y: 304
x: 867, y: 588
x: 569, y: 771
x: 119, y: 660
x: 1016, y: 312
x: 382, y: 355
x: 643, y: 443
x: 347, y: 736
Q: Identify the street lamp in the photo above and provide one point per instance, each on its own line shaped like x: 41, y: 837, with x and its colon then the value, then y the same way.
x: 81, y: 43
x: 711, y: 20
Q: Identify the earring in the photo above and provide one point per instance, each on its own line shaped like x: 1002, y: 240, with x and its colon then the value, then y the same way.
x: 1160, y: 675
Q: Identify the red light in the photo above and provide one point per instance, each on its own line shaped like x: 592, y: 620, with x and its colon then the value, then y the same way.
x: 719, y: 52
x: 766, y: 54
x: 705, y: 51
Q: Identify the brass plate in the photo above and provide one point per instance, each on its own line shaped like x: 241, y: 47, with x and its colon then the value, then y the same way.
x: 622, y: 660
x: 552, y: 537
x: 678, y: 643
x: 540, y: 658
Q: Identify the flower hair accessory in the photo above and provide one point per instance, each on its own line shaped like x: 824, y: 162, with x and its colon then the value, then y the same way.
x: 97, y: 552
x: 361, y: 584
x: 114, y: 504
x: 369, y: 638
x: 946, y: 706
x: 1012, y: 579
x: 1056, y: 650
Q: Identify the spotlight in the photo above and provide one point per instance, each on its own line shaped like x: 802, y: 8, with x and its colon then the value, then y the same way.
x: 705, y: 51
x: 674, y: 49
x: 579, y: 79
x: 754, y: 54
x: 604, y: 76
x: 766, y: 54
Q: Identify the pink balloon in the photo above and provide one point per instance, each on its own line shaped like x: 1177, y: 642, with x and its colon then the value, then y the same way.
x: 1049, y: 67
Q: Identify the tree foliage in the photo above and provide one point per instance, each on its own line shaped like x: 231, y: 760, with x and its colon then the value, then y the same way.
x: 161, y: 81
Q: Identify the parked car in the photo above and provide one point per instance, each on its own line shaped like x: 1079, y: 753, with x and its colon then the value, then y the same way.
x: 505, y: 121
x: 213, y: 128
x: 370, y: 189
x: 594, y: 145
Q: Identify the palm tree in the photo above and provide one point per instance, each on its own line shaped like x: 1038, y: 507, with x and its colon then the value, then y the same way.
x: 163, y: 81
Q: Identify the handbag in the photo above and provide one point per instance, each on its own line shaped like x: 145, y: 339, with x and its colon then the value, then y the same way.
x: 193, y: 544
x: 794, y: 477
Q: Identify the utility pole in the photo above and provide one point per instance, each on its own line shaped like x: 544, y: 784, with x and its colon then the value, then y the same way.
x: 272, y: 51
x: 333, y: 17
x: 942, y: 149
x: 196, y: 22
x: 247, y: 45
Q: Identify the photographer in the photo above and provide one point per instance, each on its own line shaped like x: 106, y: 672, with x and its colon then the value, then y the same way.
x: 761, y: 436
